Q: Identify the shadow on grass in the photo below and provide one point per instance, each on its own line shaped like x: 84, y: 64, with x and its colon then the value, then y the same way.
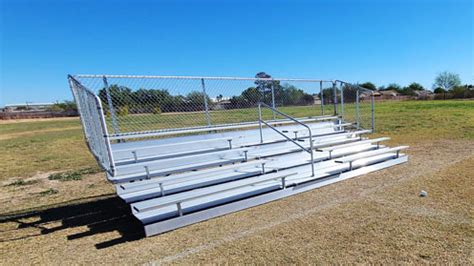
x: 100, y: 214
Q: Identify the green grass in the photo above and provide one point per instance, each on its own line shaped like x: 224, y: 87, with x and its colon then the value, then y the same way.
x: 58, y: 145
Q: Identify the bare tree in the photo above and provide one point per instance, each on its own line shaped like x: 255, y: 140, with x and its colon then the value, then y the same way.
x: 447, y: 81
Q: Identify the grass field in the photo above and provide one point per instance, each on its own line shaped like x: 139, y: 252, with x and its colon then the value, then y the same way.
x: 55, y: 202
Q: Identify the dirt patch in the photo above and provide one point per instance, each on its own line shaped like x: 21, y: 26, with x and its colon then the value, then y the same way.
x: 374, y: 218
x: 33, y: 192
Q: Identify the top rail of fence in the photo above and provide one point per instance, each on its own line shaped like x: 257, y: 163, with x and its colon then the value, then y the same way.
x: 198, y: 78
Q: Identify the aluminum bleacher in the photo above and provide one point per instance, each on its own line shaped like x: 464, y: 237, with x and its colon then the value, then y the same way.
x: 175, y: 177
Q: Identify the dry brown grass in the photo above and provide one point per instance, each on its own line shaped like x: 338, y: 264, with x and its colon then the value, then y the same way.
x: 376, y: 218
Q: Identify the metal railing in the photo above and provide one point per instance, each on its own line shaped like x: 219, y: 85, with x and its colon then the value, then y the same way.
x: 310, y: 134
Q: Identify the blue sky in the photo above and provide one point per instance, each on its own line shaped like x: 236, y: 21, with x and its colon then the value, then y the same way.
x: 380, y: 41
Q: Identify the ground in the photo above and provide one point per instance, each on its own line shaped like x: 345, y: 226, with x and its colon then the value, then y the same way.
x: 57, y: 207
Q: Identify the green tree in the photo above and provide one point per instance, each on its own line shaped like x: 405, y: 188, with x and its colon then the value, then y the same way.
x: 252, y: 95
x: 291, y: 95
x: 410, y: 89
x: 120, y: 95
x: 265, y: 88
x: 195, y: 101
x: 368, y: 85
x: 415, y: 86
x: 393, y: 86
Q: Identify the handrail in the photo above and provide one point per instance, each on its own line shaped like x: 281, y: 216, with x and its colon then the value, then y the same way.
x: 260, y: 121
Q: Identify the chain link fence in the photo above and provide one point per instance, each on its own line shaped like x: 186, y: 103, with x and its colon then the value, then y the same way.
x: 122, y: 107
x: 93, y: 124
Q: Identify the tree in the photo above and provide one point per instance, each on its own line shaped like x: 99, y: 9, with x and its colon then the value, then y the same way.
x: 120, y: 96
x: 410, y: 89
x: 195, y: 101
x: 265, y: 87
x: 291, y: 95
x: 251, y: 95
x: 149, y: 100
x: 439, y: 90
x: 393, y: 86
x: 368, y: 85
x: 414, y: 86
x: 328, y: 95
x: 447, y: 80
x: 350, y: 92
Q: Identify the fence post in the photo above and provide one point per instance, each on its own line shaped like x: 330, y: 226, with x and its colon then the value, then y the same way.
x: 260, y: 121
x: 342, y: 99
x: 111, y: 107
x: 206, y: 106
x: 373, y: 112
x: 334, y: 88
x: 357, y: 108
x: 273, y: 100
x: 321, y: 92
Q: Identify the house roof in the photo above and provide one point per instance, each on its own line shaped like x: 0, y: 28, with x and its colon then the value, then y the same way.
x: 389, y: 92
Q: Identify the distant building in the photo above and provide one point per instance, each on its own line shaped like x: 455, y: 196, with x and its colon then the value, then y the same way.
x: 219, y: 99
x: 27, y: 107
x: 388, y: 94
x: 368, y: 94
x: 316, y: 99
x: 222, y: 105
x: 424, y: 94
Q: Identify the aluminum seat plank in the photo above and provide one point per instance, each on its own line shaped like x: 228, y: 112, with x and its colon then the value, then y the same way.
x: 150, y: 211
x: 157, y: 202
x: 216, y: 177
x: 331, y: 148
x: 232, y: 155
x: 240, y: 138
